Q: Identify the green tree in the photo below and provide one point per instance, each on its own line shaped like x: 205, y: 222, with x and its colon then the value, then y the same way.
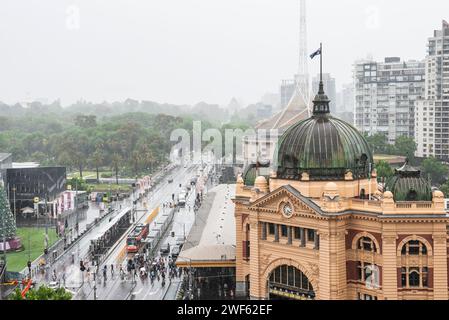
x: 435, y: 169
x: 378, y: 142
x: 384, y: 170
x: 406, y: 147
x: 97, y: 159
x: 445, y: 189
x: 116, y: 160
x: 86, y: 121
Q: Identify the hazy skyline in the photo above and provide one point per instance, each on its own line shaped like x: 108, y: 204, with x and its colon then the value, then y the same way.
x: 184, y: 52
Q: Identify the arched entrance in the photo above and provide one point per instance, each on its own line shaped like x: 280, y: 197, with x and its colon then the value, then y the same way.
x: 288, y: 283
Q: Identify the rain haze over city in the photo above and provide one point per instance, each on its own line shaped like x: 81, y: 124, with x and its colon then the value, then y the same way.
x: 214, y: 158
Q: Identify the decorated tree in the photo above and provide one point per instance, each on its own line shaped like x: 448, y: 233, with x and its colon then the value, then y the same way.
x: 7, y: 223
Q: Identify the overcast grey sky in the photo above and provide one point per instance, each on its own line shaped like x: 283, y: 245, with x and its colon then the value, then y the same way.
x: 187, y: 51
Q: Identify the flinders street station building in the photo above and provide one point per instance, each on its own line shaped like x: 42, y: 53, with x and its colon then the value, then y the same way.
x: 315, y: 225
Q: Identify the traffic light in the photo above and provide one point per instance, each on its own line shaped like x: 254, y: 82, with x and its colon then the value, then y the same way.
x: 82, y: 267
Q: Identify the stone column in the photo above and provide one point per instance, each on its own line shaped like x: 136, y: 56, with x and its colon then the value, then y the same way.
x: 302, y: 235
x: 389, y: 268
x: 257, y: 291
x: 332, y: 263
x: 264, y: 230
x: 317, y: 241
x: 240, y: 290
x: 289, y: 235
x: 276, y: 233
x: 440, y: 265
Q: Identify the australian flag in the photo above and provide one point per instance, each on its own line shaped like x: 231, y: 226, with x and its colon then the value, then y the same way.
x: 316, y: 53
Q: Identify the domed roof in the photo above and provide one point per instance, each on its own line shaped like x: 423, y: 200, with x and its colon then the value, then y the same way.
x: 324, y: 147
x: 408, y: 185
x: 251, y: 172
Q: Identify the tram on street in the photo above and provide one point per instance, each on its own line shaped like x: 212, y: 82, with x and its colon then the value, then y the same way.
x: 135, y: 239
x: 109, y: 234
x: 157, y: 230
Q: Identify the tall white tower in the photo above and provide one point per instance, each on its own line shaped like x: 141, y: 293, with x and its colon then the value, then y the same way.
x: 299, y: 106
x: 303, y: 81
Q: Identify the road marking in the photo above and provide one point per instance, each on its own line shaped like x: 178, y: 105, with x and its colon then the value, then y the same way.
x: 121, y: 255
x: 151, y: 293
x: 137, y: 292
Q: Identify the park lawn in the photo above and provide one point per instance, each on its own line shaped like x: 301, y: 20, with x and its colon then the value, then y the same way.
x: 86, y: 175
x: 33, y: 245
x: 385, y: 157
x: 93, y: 175
x: 104, y: 187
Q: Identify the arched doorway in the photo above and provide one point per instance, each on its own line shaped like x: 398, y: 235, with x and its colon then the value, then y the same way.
x: 288, y: 283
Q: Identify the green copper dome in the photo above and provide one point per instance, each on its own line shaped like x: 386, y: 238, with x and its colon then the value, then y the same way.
x: 253, y: 170
x: 324, y: 147
x: 408, y: 185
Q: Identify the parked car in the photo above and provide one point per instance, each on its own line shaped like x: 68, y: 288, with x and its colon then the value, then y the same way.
x: 170, y: 180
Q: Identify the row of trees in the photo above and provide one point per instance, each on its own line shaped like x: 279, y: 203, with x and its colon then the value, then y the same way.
x: 404, y: 146
x: 208, y: 112
x: 431, y: 168
x: 131, y: 143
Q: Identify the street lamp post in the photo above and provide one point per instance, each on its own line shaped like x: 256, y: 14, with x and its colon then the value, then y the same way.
x: 95, y: 281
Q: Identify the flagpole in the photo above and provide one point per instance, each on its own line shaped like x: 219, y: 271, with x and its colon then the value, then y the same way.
x: 321, y: 62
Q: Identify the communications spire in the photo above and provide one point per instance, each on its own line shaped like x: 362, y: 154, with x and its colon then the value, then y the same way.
x: 303, y: 81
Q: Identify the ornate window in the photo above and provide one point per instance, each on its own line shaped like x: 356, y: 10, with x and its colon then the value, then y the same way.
x: 367, y: 272
x: 366, y: 244
x: 414, y: 271
x: 289, y: 279
x: 310, y: 235
x: 271, y: 227
x: 414, y: 277
x: 297, y: 232
x: 284, y: 231
x: 361, y: 296
x: 414, y: 248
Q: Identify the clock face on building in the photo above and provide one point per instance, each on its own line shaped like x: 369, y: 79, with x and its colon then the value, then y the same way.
x: 287, y: 210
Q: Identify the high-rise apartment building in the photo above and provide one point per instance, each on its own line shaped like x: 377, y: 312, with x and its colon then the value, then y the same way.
x: 385, y: 96
x: 287, y: 90
x: 345, y: 99
x: 432, y: 112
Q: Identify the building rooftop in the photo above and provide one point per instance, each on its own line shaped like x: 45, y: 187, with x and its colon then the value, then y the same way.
x: 25, y: 165
x: 4, y: 156
x: 296, y: 110
x: 211, y: 241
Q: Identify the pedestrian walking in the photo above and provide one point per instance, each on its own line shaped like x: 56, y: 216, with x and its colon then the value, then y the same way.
x: 112, y: 270
x: 105, y: 272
